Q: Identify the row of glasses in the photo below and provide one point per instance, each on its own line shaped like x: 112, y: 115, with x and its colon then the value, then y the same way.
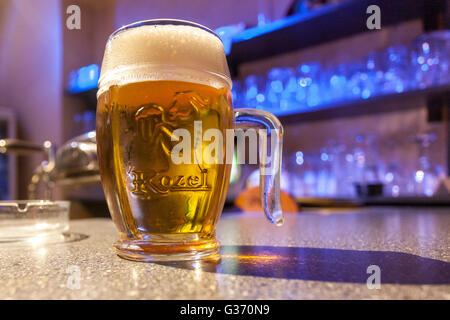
x: 397, y: 69
x: 326, y: 173
x: 431, y: 58
x: 338, y: 170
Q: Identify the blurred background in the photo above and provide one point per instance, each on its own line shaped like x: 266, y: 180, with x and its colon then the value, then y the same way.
x: 365, y: 110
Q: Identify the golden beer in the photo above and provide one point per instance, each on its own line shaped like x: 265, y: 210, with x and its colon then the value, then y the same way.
x: 150, y: 195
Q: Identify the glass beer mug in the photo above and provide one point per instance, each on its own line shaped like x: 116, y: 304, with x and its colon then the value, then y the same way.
x: 164, y: 85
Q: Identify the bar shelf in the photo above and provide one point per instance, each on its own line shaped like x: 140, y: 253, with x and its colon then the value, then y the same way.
x: 377, y: 104
x: 331, y: 22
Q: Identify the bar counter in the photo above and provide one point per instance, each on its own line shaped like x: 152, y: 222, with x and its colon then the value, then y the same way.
x: 317, y: 254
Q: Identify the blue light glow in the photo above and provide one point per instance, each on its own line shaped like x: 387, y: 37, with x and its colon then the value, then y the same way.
x: 389, y: 177
x: 283, y: 23
x: 277, y: 86
x: 83, y: 79
x: 419, y: 176
x: 305, y: 68
x: 365, y: 94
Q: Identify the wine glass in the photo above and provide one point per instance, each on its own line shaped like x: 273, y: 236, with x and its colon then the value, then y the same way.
x: 425, y: 177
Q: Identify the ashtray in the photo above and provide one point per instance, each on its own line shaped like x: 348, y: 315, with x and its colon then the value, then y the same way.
x: 28, y: 219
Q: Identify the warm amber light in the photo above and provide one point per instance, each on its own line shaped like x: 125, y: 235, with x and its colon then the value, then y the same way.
x: 256, y: 258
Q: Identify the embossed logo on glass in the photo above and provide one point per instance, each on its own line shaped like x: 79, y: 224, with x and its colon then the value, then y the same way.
x: 155, y: 126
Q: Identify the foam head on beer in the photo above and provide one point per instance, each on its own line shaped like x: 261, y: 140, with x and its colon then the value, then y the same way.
x: 164, y: 52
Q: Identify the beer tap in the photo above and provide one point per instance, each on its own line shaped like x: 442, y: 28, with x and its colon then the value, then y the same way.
x: 42, y: 172
x: 72, y: 164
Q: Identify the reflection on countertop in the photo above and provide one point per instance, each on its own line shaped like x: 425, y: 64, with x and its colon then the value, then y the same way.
x: 313, y: 256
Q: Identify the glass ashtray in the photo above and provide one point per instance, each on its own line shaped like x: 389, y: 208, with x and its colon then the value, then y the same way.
x: 27, y: 219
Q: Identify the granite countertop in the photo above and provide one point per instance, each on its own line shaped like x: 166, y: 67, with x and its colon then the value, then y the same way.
x: 320, y: 254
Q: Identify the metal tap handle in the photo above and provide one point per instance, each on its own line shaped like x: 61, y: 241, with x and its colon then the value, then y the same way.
x: 19, y: 147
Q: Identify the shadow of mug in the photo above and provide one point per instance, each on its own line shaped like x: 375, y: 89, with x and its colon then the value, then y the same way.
x: 321, y: 264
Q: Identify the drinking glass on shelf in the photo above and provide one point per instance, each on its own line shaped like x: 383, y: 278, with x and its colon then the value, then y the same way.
x: 311, y: 175
x: 254, y: 92
x: 315, y: 174
x: 290, y: 89
x: 430, y: 58
x: 444, y: 62
x: 292, y: 166
x: 368, y: 166
x: 326, y: 178
x: 302, y: 170
x: 426, y: 176
x: 237, y: 92
x: 375, y: 67
x: 361, y: 84
x: 341, y: 170
x: 308, y: 80
x: 395, y: 181
x: 397, y: 76
x: 281, y: 88
x: 335, y: 83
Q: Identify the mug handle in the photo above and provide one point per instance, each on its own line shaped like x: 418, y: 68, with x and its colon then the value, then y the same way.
x: 269, y: 176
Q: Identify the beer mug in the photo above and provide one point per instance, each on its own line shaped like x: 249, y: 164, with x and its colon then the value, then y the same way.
x: 164, y: 112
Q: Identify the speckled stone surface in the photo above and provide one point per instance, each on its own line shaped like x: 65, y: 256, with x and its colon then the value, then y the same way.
x: 322, y: 254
